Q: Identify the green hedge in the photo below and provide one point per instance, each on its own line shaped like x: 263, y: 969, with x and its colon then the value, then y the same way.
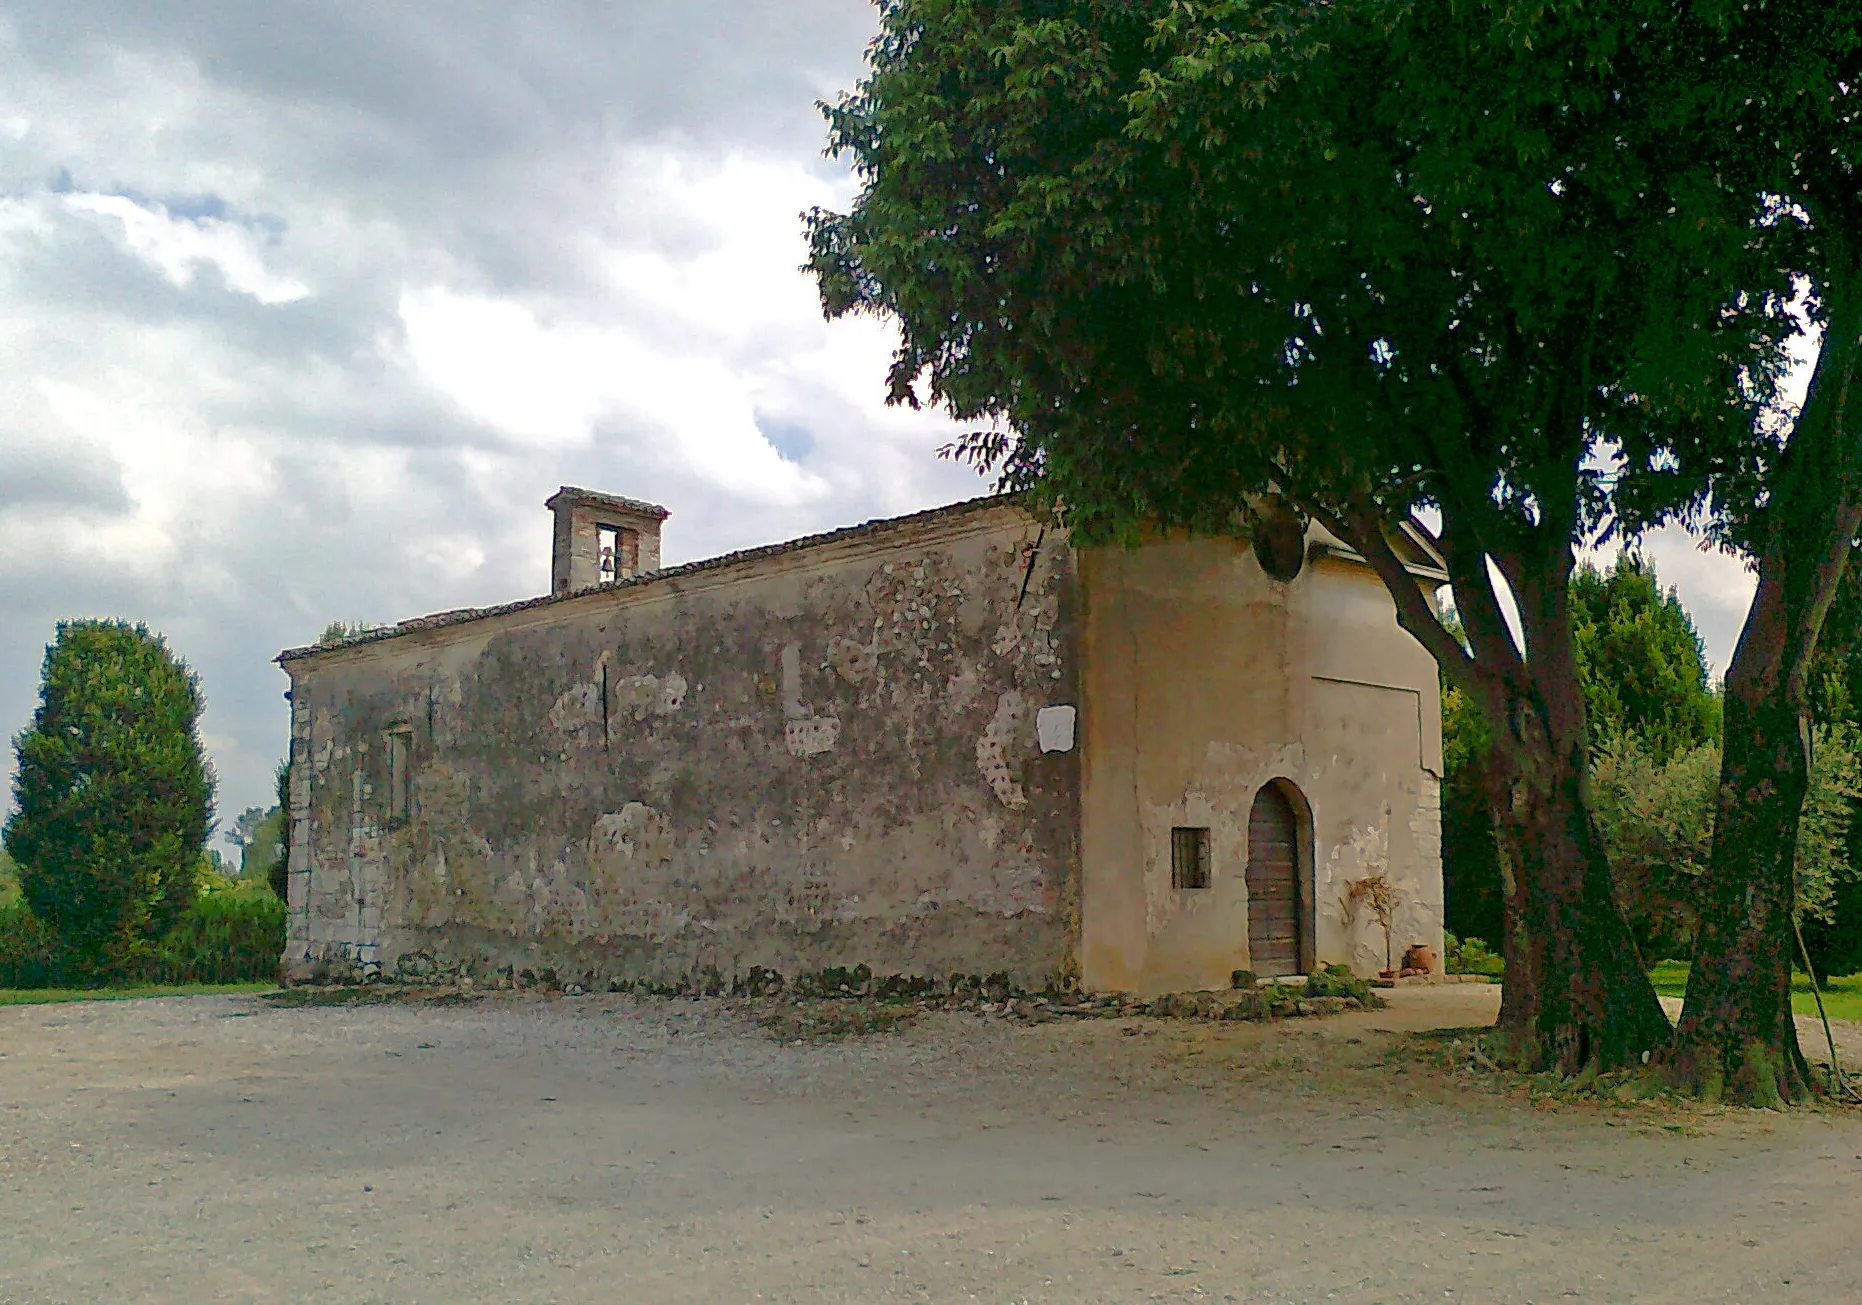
x: 230, y: 936
x: 26, y: 959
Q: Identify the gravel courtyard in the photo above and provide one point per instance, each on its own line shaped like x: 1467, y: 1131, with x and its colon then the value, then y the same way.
x: 594, y: 1149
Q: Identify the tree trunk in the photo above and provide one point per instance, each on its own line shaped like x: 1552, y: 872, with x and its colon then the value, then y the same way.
x: 1579, y: 998
x: 1519, y: 984
x: 1519, y: 990
x: 1589, y: 1004
x: 1737, y: 1038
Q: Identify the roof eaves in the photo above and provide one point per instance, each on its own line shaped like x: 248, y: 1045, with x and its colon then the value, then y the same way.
x: 1345, y: 553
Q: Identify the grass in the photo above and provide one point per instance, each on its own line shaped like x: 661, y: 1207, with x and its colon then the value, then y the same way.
x: 1842, y: 999
x: 40, y: 996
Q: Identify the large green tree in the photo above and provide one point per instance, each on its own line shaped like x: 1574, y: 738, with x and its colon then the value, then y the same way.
x: 1392, y: 262
x: 1789, y: 107
x: 114, y: 797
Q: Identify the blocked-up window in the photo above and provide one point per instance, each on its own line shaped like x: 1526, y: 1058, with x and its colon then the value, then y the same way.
x: 400, y: 781
x: 618, y: 550
x: 1189, y: 858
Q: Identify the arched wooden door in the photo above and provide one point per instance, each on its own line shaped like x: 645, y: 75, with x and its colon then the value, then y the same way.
x: 1273, y: 884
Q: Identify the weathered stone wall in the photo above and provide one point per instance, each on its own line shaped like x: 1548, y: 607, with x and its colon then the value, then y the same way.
x: 828, y: 755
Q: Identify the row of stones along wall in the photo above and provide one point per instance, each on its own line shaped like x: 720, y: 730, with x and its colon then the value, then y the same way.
x: 825, y: 757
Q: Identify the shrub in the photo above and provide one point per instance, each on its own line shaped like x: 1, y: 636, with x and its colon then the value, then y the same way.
x: 1657, y: 822
x: 1656, y: 818
x: 232, y: 933
x: 114, y: 795
x: 1472, y: 956
x: 1835, y: 943
x: 27, y: 958
x: 1280, y: 999
x: 1338, y: 981
x: 1471, y: 876
x: 1377, y: 894
x: 340, y: 631
x: 1647, y: 691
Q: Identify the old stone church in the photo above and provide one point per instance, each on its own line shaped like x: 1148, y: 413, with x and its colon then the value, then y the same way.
x: 943, y: 743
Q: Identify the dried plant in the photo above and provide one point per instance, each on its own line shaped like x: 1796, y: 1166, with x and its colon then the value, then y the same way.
x: 1377, y: 895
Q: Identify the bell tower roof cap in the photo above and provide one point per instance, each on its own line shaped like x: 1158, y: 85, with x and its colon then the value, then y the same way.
x: 572, y: 495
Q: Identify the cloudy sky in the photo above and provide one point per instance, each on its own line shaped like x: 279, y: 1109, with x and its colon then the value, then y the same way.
x: 308, y: 305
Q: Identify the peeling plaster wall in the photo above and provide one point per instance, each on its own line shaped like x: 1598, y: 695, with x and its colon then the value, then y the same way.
x: 827, y: 756
x: 1204, y: 679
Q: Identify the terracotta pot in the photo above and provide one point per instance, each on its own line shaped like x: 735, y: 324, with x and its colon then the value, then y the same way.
x: 1422, y: 957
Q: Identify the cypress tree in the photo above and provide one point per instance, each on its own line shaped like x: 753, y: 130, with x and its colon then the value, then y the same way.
x: 279, y: 871
x: 1641, y: 662
x: 115, y: 796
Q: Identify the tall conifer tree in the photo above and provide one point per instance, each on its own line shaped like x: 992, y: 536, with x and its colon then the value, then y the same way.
x: 115, y: 795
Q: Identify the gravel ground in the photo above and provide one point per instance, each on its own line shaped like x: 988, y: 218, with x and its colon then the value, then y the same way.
x: 592, y: 1149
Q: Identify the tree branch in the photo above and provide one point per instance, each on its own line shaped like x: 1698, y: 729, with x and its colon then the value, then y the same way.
x: 1362, y: 527
x: 1482, y: 617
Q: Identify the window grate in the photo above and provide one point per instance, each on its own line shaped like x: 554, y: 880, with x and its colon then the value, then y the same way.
x: 1189, y: 858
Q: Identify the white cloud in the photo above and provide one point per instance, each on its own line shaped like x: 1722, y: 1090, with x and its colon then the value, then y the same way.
x: 551, y: 385
x: 1716, y: 587
x: 177, y: 247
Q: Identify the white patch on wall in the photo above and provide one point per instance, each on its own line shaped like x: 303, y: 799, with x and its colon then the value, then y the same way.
x: 577, y: 710
x: 792, y: 682
x: 672, y: 691
x: 634, y: 833
x: 961, y: 689
x: 1017, y: 890
x: 322, y: 740
x: 630, y: 697
x: 1053, y: 728
x: 804, y: 733
x: 633, y: 696
x: 853, y: 661
x: 806, y: 738
x: 992, y: 751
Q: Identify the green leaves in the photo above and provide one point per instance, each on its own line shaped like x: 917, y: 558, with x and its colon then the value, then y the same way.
x: 1188, y: 252
x: 1640, y: 661
x: 114, y: 794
